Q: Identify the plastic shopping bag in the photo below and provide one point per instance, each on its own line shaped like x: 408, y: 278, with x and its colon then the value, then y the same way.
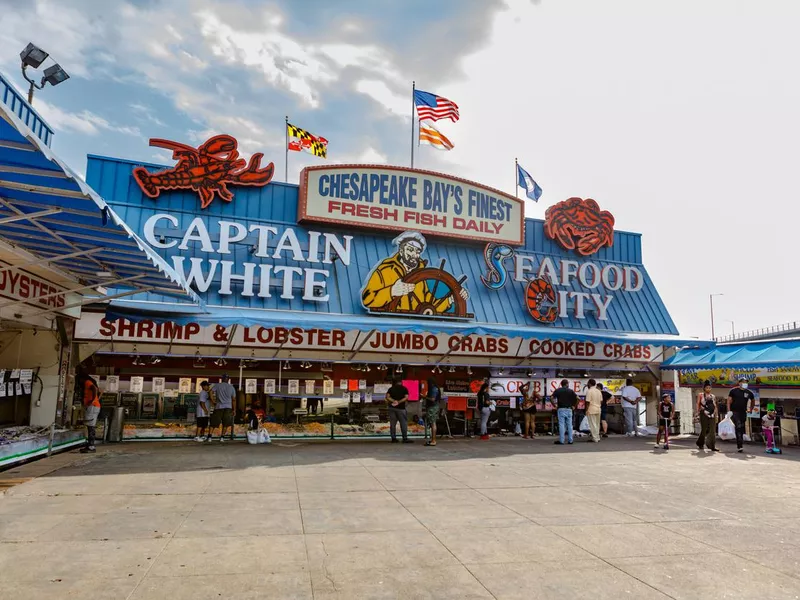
x: 584, y: 425
x: 726, y: 429
x: 263, y: 436
x: 252, y: 437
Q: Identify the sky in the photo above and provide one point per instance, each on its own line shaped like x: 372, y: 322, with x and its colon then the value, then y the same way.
x: 680, y: 117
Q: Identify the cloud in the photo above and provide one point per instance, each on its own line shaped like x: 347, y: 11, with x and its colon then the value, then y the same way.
x: 393, y: 102
x: 85, y: 122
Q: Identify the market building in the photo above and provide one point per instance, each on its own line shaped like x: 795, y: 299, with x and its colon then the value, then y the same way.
x: 314, y: 295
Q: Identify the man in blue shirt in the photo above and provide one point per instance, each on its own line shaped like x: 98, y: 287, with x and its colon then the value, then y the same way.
x: 224, y: 395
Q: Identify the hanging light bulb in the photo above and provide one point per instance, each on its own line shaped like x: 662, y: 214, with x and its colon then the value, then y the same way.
x: 383, y: 367
x: 368, y: 369
x: 399, y: 369
x: 501, y: 372
x: 530, y: 374
x: 287, y: 365
x: 220, y: 362
x: 469, y: 370
x: 154, y: 360
x: 452, y: 369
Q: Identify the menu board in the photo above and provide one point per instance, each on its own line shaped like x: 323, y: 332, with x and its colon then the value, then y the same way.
x: 168, y: 411
x: 251, y: 386
x: 293, y: 386
x: 344, y: 384
x: 190, y: 404
x: 457, y: 385
x: 137, y: 384
x: 112, y: 383
x: 149, y: 406
x: 311, y: 386
x: 327, y: 387
x: 269, y: 386
x: 159, y: 384
x: 381, y: 388
x: 185, y: 385
x: 108, y: 399
x: 131, y: 402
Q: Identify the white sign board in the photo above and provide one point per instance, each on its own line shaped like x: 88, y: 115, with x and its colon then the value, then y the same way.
x: 401, y: 199
x: 269, y: 386
x: 185, y: 385
x: 95, y: 327
x: 159, y: 384
x: 310, y: 387
x: 251, y: 386
x: 112, y: 383
x: 137, y: 384
x: 327, y: 387
x: 294, y: 386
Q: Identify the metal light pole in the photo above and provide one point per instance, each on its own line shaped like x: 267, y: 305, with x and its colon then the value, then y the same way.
x: 733, y: 327
x: 711, y: 301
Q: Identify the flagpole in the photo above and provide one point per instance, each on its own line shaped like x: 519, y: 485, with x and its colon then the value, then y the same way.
x: 413, y: 104
x: 286, y: 150
x: 516, y: 177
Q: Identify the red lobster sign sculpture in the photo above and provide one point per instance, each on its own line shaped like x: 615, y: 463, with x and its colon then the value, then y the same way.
x: 207, y: 169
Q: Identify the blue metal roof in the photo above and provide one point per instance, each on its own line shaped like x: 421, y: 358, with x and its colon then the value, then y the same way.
x: 752, y: 355
x: 640, y: 312
x: 49, y: 212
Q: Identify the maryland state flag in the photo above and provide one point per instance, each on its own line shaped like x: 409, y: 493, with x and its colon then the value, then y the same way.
x: 301, y: 140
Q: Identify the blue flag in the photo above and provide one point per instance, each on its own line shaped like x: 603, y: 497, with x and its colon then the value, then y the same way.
x: 526, y: 182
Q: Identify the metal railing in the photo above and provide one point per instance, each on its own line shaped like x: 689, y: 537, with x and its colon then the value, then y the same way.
x: 20, y: 107
x: 755, y: 334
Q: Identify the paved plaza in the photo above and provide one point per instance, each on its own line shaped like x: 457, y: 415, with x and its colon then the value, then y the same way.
x: 507, y: 518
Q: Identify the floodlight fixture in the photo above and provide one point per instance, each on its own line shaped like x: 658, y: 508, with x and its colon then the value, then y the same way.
x: 33, y: 56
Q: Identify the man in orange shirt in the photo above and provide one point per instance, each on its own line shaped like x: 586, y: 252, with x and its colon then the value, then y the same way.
x: 91, y: 410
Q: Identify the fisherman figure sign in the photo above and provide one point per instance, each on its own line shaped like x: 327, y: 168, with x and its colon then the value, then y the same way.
x: 404, y: 284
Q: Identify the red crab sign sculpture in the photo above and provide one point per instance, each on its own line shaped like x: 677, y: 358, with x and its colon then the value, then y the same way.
x: 207, y: 169
x: 579, y: 219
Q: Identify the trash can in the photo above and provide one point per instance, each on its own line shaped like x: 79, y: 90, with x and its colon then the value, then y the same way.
x: 117, y: 423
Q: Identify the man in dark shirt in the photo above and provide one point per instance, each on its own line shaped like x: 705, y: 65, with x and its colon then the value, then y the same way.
x: 396, y: 398
x: 566, y: 400
x: 740, y: 402
x: 604, y: 410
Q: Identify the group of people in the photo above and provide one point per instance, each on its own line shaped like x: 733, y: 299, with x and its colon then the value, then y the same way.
x: 564, y: 399
x: 216, y: 409
x: 740, y: 403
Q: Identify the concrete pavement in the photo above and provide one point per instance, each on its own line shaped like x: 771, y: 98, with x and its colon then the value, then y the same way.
x: 507, y: 518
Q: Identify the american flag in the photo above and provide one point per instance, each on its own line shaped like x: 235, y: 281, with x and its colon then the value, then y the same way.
x: 432, y: 107
x: 428, y: 134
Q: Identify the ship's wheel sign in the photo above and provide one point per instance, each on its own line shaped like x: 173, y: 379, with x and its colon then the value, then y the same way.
x: 404, y: 284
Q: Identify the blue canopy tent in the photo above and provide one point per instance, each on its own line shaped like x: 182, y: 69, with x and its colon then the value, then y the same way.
x: 50, y: 217
x: 751, y: 355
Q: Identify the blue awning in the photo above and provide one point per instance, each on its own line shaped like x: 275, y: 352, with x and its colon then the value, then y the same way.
x: 49, y: 214
x: 753, y: 355
x: 134, y: 311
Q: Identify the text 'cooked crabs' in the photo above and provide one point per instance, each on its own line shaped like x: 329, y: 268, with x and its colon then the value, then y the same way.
x: 582, y: 220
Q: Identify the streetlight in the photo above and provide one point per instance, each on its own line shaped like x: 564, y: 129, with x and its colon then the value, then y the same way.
x: 733, y: 328
x: 711, y: 300
x: 33, y: 56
